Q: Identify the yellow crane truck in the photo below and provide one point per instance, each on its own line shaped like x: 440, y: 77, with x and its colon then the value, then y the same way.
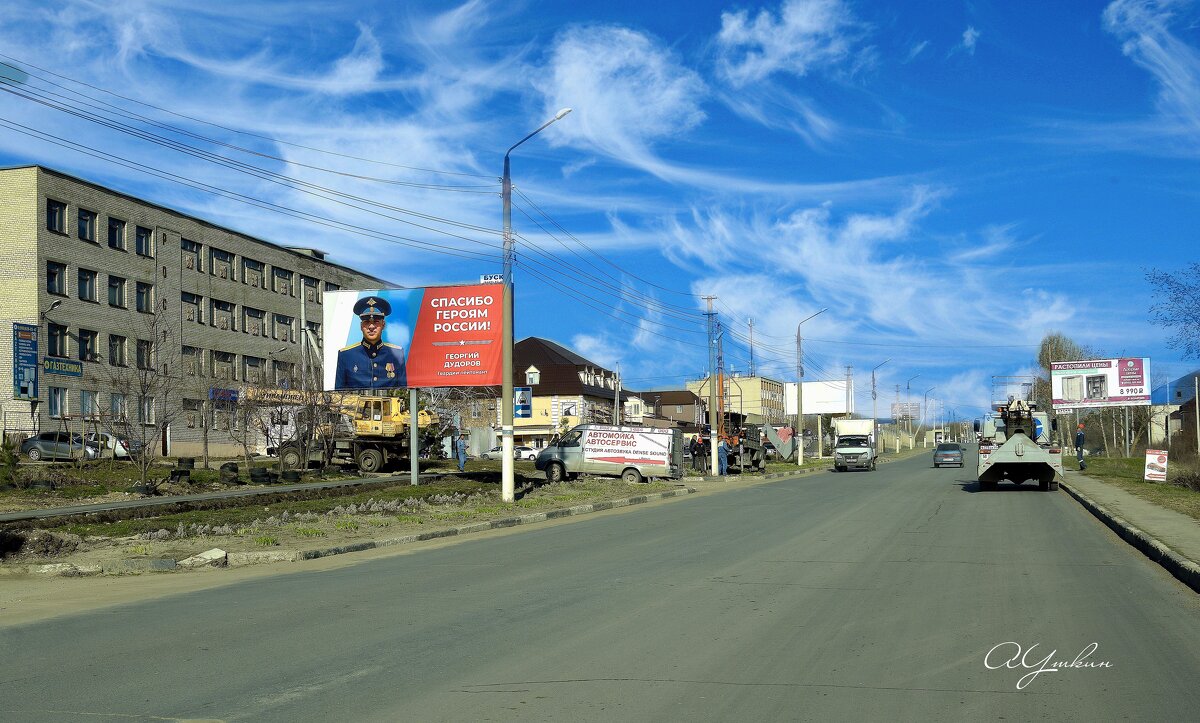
x: 371, y: 432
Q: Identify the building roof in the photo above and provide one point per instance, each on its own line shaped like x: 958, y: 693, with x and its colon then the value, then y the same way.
x: 305, y: 252
x: 1176, y: 391
x: 559, y: 367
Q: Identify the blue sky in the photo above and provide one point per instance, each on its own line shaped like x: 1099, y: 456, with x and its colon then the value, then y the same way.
x: 950, y: 180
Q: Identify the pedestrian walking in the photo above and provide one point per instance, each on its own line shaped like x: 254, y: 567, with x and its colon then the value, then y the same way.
x: 1079, y: 446
x: 723, y: 456
x: 695, y: 449
x: 461, y: 449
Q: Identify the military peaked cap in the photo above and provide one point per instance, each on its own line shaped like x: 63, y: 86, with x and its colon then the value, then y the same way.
x: 372, y: 306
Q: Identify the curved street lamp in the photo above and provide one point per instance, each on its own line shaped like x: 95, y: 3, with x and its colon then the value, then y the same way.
x: 507, y: 486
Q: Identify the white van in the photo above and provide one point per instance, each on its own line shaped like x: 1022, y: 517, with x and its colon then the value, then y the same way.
x: 631, y: 453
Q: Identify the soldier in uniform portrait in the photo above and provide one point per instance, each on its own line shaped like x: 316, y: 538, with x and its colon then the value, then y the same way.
x: 372, y: 363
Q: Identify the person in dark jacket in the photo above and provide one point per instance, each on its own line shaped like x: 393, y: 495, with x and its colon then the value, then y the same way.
x: 1079, y: 446
x: 695, y: 449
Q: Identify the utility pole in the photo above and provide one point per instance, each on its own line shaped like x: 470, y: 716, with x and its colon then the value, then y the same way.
x: 849, y: 391
x: 751, y: 322
x: 874, y: 410
x: 617, y: 397
x: 712, y: 386
x: 800, y: 391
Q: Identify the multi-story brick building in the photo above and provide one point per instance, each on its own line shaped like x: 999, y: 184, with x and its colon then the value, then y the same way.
x: 117, y: 283
x: 757, y: 399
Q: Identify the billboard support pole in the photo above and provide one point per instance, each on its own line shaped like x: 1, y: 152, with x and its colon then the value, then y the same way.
x: 414, y: 464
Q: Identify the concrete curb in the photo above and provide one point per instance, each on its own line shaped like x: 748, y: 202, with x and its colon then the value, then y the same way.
x: 1185, y: 570
x: 243, y: 559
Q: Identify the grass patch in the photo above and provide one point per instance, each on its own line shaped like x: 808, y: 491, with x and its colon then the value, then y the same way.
x: 409, y: 519
x: 345, y: 525
x: 310, y: 532
x: 1126, y: 473
x: 266, y: 541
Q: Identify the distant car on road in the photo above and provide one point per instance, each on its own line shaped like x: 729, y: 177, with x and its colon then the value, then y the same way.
x: 57, y: 445
x: 947, y: 453
x: 525, y: 453
x: 493, y: 453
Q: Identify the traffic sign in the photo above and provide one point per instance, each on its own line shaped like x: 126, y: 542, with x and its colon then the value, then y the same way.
x: 522, y: 402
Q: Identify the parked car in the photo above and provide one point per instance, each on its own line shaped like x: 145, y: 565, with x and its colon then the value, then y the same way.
x: 114, y: 445
x: 525, y: 453
x: 947, y: 453
x: 57, y: 445
x: 493, y: 453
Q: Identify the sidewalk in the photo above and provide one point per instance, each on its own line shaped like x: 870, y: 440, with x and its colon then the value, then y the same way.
x: 1170, y: 538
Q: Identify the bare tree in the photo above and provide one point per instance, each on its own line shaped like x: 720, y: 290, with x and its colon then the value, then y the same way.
x: 146, y: 409
x: 1178, y: 307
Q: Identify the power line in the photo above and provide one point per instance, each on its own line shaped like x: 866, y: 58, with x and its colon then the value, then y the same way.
x: 227, y: 128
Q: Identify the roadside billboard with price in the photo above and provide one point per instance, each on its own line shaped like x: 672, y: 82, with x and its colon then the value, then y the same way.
x: 1098, y: 383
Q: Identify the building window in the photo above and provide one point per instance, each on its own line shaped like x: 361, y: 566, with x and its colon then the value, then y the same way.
x: 193, y: 412
x: 679, y: 409
x: 192, y: 306
x: 87, y: 225
x: 254, y: 273
x: 284, y: 373
x: 56, y: 216
x: 281, y: 281
x: 87, y: 285
x: 116, y: 234
x: 116, y: 291
x: 56, y: 278
x: 117, y: 407
x: 145, y: 297
x: 145, y: 354
x: 191, y: 254
x: 283, y: 328
x: 312, y: 289
x: 220, y: 263
x: 58, y: 340
x: 252, y: 369
x: 222, y: 315
x: 223, y: 365
x: 88, y: 340
x: 146, y: 410
x: 254, y: 321
x: 58, y: 402
x: 532, y: 378
x: 314, y: 330
x: 116, y: 350
x: 89, y: 404
x: 193, y: 361
x: 143, y: 241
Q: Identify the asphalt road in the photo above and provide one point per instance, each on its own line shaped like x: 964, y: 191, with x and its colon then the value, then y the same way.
x: 859, y: 596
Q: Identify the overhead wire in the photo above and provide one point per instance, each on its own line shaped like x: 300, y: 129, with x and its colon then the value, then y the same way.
x: 243, y: 198
x: 232, y: 130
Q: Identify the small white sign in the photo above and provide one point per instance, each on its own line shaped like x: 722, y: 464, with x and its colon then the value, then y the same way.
x: 1156, y: 465
x: 491, y: 278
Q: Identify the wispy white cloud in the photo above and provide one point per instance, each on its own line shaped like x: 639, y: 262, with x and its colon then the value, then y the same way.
x: 1144, y: 26
x: 628, y: 89
x: 916, y: 50
x: 970, y: 36
x: 804, y: 35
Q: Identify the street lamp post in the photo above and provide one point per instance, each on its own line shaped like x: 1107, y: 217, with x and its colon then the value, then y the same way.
x: 924, y: 408
x: 908, y: 409
x: 507, y: 487
x: 800, y: 392
x: 874, y: 410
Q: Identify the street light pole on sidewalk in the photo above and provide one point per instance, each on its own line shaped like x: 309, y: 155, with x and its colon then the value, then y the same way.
x: 507, y: 485
x: 800, y: 393
x: 875, y: 411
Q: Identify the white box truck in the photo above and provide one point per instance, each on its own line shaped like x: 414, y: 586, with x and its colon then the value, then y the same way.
x: 854, y: 446
x: 631, y: 453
